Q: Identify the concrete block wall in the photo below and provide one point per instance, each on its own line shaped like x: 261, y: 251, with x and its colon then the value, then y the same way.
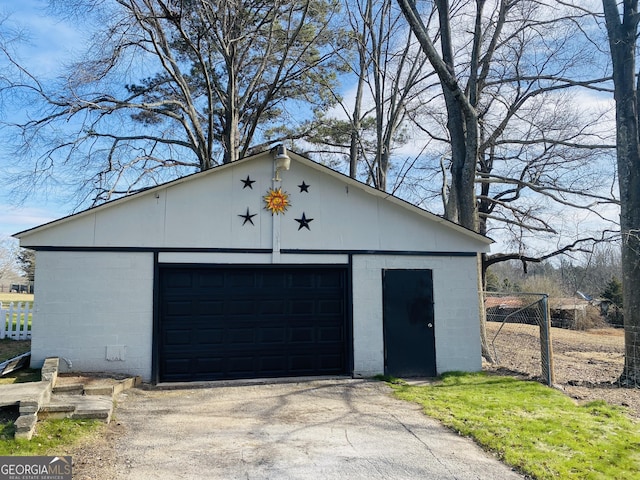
x: 95, y: 310
x: 457, y: 328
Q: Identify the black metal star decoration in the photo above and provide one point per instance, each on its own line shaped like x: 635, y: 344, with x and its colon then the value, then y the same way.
x: 248, y: 217
x: 304, y: 187
x: 304, y: 222
x: 248, y: 183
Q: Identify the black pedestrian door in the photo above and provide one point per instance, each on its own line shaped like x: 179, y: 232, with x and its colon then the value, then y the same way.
x: 409, y: 338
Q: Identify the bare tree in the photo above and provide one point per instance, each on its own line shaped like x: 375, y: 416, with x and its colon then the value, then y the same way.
x: 177, y: 85
x: 509, y: 128
x: 622, y: 29
x: 9, y: 270
x: 591, y: 273
x: 391, y: 74
x: 502, y: 104
x: 462, y: 116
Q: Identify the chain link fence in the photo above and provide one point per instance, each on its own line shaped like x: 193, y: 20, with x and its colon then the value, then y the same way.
x: 518, y: 331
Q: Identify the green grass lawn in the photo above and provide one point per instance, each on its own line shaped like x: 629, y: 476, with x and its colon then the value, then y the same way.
x: 15, y: 320
x: 538, y: 430
x: 52, y: 437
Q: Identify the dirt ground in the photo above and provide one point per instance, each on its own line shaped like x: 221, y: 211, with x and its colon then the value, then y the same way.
x: 587, y: 364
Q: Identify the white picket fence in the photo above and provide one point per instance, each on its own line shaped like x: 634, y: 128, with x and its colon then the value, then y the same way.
x: 14, y: 320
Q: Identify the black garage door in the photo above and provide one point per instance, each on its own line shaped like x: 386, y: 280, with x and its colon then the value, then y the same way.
x: 251, y: 322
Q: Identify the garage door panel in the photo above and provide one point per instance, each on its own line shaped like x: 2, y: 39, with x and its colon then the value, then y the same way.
x: 177, y: 366
x: 331, y: 280
x: 177, y: 337
x: 272, y: 307
x: 210, y: 336
x: 268, y: 335
x: 179, y: 308
x: 240, y: 366
x: 240, y: 307
x: 204, y: 365
x: 210, y: 279
x: 302, y: 335
x: 274, y: 280
x: 302, y: 307
x: 330, y: 334
x: 330, y: 307
x: 245, y: 323
x: 209, y: 307
x: 301, y: 280
x: 240, y: 279
x: 179, y: 280
x: 302, y: 364
x: 331, y: 362
x: 272, y: 365
x: 240, y: 336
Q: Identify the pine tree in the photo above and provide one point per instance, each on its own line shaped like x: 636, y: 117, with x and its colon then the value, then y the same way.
x: 613, y: 291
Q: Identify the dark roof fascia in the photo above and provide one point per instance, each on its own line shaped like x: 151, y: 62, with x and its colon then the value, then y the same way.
x: 291, y: 251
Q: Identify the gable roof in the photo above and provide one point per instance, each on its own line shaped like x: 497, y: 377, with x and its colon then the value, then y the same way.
x: 322, y: 169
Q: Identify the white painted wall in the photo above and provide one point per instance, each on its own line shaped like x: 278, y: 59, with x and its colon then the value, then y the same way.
x: 203, y: 211
x: 457, y: 326
x: 94, y: 307
x: 90, y: 306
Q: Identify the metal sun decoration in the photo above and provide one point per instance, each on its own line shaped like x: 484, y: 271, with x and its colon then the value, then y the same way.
x: 276, y: 201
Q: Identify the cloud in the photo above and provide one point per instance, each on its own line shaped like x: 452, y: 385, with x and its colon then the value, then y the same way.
x: 49, y: 41
x: 16, y: 219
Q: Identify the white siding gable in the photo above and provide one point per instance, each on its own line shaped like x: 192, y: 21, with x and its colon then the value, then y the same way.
x: 204, y: 211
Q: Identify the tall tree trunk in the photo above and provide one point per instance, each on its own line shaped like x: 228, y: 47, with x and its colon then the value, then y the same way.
x: 622, y: 32
x: 462, y: 124
x: 355, y: 140
x: 462, y: 119
x: 456, y: 124
x: 230, y: 135
x: 354, y: 147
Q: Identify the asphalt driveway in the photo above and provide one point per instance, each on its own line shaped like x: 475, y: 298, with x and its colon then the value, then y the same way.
x: 321, y: 429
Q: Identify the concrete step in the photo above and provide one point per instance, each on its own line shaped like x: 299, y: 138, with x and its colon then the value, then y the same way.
x: 56, y: 411
x: 80, y: 400
x: 78, y: 406
x: 98, y: 386
x: 50, y: 398
x: 71, y: 388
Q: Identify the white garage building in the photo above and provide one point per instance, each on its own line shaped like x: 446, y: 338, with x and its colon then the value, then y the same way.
x: 250, y: 270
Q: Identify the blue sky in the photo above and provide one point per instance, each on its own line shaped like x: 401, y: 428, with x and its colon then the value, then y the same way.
x: 48, y: 42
